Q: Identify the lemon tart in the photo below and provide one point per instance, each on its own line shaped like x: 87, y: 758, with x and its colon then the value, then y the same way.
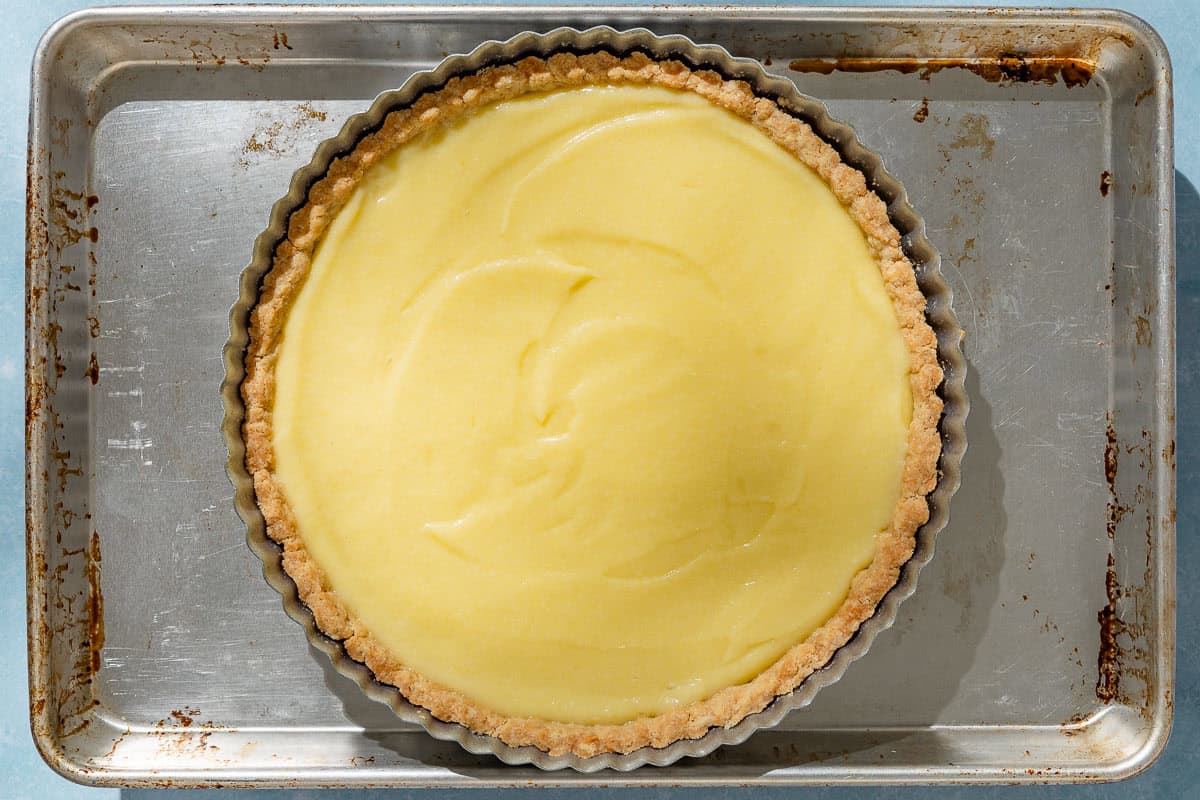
x: 592, y: 401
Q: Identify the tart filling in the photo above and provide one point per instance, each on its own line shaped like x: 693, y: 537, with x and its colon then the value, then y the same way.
x: 601, y: 411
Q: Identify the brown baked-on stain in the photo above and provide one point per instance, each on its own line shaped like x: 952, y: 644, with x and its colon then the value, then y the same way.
x: 79, y: 728
x: 67, y: 211
x: 257, y: 65
x: 175, y: 736
x: 95, y: 604
x: 922, y: 113
x: 117, y: 743
x: 1105, y: 183
x: 279, y: 39
x: 973, y: 132
x: 183, y: 718
x: 35, y: 394
x: 93, y: 369
x: 1116, y: 512
x: 1109, y: 659
x: 1008, y: 68
x: 1073, y: 724
x: 196, y: 48
x: 280, y: 136
x: 1111, y: 450
x: 1143, y: 334
x: 968, y: 252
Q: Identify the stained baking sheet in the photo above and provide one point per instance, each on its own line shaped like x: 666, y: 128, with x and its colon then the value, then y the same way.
x: 1036, y: 145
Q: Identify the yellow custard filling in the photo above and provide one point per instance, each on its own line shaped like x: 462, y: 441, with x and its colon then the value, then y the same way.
x: 592, y: 403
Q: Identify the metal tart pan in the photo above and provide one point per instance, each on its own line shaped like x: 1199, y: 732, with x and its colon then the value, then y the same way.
x: 939, y: 313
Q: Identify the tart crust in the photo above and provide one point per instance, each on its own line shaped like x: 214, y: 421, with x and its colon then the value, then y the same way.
x: 291, y: 264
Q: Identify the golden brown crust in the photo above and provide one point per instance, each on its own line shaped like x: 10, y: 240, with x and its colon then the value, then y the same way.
x: 292, y: 260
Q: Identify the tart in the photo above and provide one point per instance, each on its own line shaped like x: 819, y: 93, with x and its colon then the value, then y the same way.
x: 592, y: 401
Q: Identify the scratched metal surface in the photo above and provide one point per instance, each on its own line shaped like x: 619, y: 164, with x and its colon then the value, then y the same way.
x: 171, y: 137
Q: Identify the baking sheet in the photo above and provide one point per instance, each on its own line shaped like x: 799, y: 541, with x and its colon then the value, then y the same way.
x: 159, y: 142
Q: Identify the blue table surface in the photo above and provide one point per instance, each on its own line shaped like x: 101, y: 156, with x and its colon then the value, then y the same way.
x: 24, y: 775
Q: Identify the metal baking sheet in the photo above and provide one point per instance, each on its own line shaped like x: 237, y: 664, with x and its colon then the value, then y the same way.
x: 1037, y: 145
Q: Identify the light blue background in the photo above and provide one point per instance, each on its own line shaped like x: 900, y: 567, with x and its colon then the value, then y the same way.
x: 24, y: 775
